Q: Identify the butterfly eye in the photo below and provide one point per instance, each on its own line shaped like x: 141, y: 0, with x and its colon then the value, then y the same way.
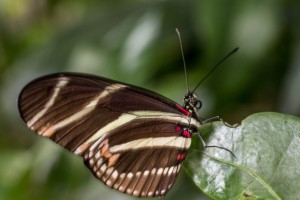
x: 198, y: 104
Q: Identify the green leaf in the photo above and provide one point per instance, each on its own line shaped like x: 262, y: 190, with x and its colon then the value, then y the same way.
x: 267, y: 162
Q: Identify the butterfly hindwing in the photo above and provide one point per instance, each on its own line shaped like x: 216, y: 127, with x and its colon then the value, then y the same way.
x: 132, y: 139
x: 138, y: 161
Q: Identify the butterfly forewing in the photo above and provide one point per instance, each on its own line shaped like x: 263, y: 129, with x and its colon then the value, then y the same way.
x: 132, y: 139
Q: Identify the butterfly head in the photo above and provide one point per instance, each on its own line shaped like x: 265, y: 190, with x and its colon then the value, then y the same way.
x: 191, y: 102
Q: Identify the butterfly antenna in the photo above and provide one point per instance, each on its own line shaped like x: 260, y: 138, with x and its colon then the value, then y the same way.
x: 182, y: 55
x: 215, y: 67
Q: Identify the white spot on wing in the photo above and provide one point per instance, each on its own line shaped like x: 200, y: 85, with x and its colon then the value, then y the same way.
x: 138, y: 174
x: 121, y: 188
x: 108, y: 182
x: 166, y: 171
x: 122, y: 175
x: 170, y: 171
x: 91, y: 153
x: 115, y: 175
x: 159, y: 171
x: 175, y: 170
x: 129, y: 190
x: 150, y: 194
x: 146, y: 173
x: 103, y: 168
x: 136, y: 192
x: 81, y: 149
x: 95, y: 168
x: 98, y: 174
x: 92, y: 162
x: 97, y: 155
x: 153, y: 171
x: 109, y: 170
x: 129, y: 175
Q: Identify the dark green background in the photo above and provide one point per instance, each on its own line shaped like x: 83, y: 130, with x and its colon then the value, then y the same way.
x: 135, y: 42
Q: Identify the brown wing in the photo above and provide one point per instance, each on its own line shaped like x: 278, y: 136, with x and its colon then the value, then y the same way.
x: 103, y: 121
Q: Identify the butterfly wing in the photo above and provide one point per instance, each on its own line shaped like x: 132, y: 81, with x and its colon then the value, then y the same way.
x: 143, y: 161
x: 132, y: 139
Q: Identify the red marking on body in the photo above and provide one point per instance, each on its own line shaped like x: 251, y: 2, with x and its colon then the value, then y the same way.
x: 186, y: 133
x: 184, y: 111
x: 178, y: 128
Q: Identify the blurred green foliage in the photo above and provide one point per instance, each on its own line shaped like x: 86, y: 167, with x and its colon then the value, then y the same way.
x: 135, y: 42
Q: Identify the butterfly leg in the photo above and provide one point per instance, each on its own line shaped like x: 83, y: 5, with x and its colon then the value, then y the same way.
x: 212, y: 119
x: 210, y: 146
x: 218, y: 118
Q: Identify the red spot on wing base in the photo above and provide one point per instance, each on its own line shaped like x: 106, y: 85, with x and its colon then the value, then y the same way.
x: 186, y: 133
x: 178, y: 128
x: 181, y: 156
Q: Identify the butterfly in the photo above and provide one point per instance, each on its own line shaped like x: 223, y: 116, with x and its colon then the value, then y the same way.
x: 132, y: 139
